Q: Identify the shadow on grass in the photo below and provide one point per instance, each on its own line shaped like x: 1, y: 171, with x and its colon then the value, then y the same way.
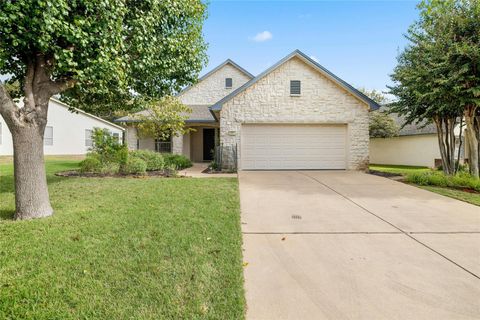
x: 7, y: 184
x: 6, y: 214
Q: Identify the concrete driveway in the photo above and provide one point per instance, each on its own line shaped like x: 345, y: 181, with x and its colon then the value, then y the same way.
x: 348, y: 245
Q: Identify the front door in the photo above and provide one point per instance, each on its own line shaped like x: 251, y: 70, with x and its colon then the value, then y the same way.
x: 208, y: 143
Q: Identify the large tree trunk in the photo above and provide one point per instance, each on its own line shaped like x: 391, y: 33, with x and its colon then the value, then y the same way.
x: 31, y: 192
x: 27, y: 125
x: 446, y: 142
x: 472, y: 141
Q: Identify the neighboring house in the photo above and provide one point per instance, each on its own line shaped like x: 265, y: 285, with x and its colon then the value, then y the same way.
x: 416, y: 145
x: 66, y: 133
x: 295, y: 115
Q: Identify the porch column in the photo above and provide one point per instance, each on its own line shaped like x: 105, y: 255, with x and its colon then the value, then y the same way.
x: 177, y: 144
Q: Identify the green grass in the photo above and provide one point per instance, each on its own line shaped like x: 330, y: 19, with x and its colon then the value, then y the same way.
x: 473, y: 198
x: 416, y: 175
x: 397, y: 169
x: 123, y: 248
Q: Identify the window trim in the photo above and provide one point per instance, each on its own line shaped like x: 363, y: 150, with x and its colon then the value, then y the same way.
x: 48, y: 141
x: 299, y: 88
x: 226, y: 83
x: 88, y: 138
x: 163, y: 142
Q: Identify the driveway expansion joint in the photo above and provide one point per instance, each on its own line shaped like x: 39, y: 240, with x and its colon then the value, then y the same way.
x: 408, y: 234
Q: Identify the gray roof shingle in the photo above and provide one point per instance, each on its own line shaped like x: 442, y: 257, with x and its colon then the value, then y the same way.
x: 200, y: 113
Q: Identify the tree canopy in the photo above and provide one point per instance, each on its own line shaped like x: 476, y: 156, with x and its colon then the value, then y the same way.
x: 437, y: 77
x: 107, y: 52
x: 100, y: 56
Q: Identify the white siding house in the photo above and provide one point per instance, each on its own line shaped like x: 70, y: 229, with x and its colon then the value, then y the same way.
x: 67, y: 133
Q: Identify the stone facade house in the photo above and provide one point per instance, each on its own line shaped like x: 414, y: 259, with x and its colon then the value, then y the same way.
x: 295, y: 115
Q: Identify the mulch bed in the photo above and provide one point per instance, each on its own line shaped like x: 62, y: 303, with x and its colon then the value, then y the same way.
x: 210, y: 171
x: 385, y: 174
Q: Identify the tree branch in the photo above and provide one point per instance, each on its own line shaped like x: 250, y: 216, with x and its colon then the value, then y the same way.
x: 29, y: 99
x: 8, y: 109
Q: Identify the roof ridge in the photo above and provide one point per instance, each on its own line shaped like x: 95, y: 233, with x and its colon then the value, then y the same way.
x: 372, y: 104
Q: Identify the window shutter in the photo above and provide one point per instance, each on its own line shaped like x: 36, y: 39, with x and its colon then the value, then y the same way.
x: 228, y: 83
x: 295, y: 87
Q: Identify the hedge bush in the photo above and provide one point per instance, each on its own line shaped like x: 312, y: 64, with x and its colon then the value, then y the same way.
x: 90, y: 164
x: 435, y: 178
x: 176, y: 160
x: 134, y: 166
x: 153, y: 159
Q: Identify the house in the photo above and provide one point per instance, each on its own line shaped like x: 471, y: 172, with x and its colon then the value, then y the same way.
x: 66, y: 133
x: 294, y: 115
x: 416, y: 145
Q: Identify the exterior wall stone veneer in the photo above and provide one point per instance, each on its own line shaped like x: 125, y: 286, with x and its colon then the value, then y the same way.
x: 321, y: 102
x: 212, y: 89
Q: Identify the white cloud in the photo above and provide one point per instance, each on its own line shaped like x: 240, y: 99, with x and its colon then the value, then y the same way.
x: 262, y: 36
x: 314, y: 58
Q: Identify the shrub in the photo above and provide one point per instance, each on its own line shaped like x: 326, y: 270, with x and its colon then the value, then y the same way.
x: 153, y: 159
x: 109, y: 168
x: 435, y: 178
x: 134, y: 166
x: 108, y: 148
x: 179, y: 161
x: 90, y: 164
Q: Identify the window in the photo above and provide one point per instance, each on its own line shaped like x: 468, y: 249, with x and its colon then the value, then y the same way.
x: 295, y: 87
x: 116, y: 136
x: 228, y: 83
x: 48, y: 136
x: 163, y: 145
x: 88, y: 138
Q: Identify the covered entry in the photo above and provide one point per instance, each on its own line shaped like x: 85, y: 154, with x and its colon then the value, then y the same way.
x: 293, y: 146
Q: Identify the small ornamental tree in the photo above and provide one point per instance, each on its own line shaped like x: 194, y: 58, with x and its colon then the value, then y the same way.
x: 162, y: 118
x: 99, y: 56
x: 381, y: 125
x: 437, y: 78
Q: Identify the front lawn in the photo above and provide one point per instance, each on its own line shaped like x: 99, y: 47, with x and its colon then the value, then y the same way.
x: 423, y: 177
x: 123, y: 248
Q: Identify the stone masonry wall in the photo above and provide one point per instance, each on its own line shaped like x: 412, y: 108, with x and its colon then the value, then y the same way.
x: 321, y: 101
x: 212, y: 89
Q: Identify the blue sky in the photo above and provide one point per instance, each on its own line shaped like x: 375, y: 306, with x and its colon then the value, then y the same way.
x: 357, y: 40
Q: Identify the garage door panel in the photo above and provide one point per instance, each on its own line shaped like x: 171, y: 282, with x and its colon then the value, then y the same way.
x: 293, y: 146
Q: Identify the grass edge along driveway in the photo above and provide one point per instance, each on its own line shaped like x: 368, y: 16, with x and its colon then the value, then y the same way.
x: 123, y: 248
x: 473, y: 198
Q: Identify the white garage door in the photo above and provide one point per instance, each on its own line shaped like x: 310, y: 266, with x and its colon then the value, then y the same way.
x: 265, y: 146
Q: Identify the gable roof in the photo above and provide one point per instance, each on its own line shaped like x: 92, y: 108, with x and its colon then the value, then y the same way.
x: 206, y: 75
x: 297, y: 53
x: 76, y: 110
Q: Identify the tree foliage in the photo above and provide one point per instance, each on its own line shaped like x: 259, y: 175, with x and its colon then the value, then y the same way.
x: 110, y: 52
x: 100, y: 56
x: 376, y: 95
x: 381, y: 125
x: 437, y: 76
x: 163, y: 118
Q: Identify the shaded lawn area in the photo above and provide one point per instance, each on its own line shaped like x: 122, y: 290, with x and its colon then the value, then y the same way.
x: 123, y: 248
x: 473, y: 198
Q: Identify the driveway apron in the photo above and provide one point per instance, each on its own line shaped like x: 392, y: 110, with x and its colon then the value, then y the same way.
x: 348, y: 245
